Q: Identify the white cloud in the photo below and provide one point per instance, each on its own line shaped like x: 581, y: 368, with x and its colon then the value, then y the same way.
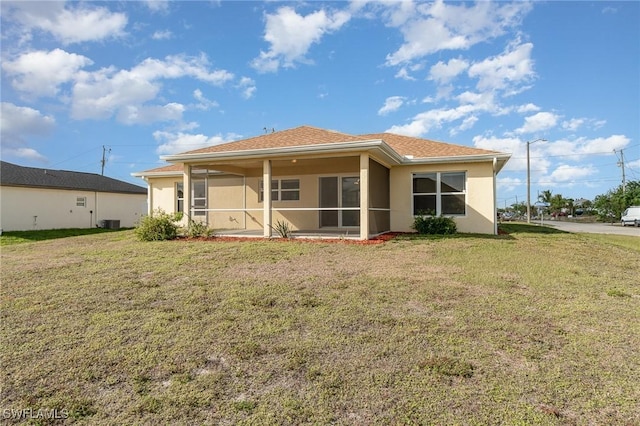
x: 404, y: 74
x: 41, y: 73
x: 17, y: 124
x: 565, y: 173
x: 506, y: 71
x: 539, y: 160
x: 391, y: 104
x: 157, y: 5
x: 470, y: 105
x: 162, y: 35
x: 432, y: 27
x: 291, y: 36
x: 145, y: 114
x: 573, y: 124
x: 103, y: 93
x: 527, y: 108
x: 444, y: 73
x: 508, y: 183
x: 67, y: 22
x: 578, y: 148
x: 172, y: 143
x: 203, y: 104
x: 248, y: 87
x: 538, y: 122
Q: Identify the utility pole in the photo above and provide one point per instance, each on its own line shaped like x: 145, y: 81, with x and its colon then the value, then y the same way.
x: 104, y: 158
x: 621, y: 164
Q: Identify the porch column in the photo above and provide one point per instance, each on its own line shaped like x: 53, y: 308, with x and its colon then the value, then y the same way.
x: 186, y: 193
x: 364, y: 196
x: 266, y: 188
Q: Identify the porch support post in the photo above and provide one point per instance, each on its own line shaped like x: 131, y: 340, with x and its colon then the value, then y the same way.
x: 266, y: 187
x: 186, y: 193
x: 364, y: 196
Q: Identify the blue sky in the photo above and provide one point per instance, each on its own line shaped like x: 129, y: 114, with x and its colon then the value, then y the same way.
x: 145, y: 79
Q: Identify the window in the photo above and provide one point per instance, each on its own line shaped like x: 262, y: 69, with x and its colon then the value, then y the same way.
x: 179, y: 197
x: 199, y: 196
x: 282, y: 190
x: 439, y: 194
x: 81, y: 201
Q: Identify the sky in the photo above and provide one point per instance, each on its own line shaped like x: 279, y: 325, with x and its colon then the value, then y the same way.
x: 136, y: 80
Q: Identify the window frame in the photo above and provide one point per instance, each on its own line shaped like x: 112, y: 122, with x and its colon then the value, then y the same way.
x: 179, y: 200
x: 439, y: 193
x: 277, y: 190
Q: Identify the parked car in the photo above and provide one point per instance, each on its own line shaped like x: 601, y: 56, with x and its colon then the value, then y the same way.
x: 631, y: 216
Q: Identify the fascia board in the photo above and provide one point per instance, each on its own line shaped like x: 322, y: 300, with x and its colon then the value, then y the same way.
x: 457, y: 159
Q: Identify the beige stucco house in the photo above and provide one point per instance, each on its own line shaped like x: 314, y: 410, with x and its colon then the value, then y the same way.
x: 326, y: 182
x: 33, y: 198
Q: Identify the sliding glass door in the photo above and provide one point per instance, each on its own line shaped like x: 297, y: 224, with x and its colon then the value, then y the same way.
x: 339, y: 192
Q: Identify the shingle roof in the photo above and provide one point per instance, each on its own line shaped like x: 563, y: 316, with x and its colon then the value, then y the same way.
x: 424, y: 148
x: 14, y: 175
x: 404, y: 146
x: 299, y: 136
x: 307, y: 135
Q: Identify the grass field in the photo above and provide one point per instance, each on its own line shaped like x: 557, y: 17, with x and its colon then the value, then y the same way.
x: 534, y: 327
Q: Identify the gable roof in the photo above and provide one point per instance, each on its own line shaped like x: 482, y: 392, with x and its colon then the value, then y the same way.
x: 14, y: 175
x: 308, y: 139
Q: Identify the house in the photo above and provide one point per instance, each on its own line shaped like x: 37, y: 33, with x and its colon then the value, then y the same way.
x: 326, y: 182
x: 33, y: 198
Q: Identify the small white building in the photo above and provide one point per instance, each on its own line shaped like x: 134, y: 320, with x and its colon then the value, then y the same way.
x: 33, y: 198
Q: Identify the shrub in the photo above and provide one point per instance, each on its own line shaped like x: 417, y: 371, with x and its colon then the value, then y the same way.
x: 198, y: 229
x: 283, y: 228
x: 434, y: 225
x: 158, y: 226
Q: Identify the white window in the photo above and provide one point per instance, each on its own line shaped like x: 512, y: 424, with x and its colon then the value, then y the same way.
x: 440, y: 194
x: 282, y: 190
x: 179, y: 197
x: 81, y: 201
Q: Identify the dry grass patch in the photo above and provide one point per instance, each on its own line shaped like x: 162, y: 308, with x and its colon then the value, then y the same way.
x: 520, y: 329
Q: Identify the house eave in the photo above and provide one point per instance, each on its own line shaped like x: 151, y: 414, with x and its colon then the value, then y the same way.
x: 477, y: 158
x: 264, y: 153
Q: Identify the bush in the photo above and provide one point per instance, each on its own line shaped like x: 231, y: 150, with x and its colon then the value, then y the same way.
x: 283, y: 228
x: 158, y: 226
x: 198, y: 229
x: 434, y: 225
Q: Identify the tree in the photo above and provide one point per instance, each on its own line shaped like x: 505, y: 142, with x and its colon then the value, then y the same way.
x: 610, y: 206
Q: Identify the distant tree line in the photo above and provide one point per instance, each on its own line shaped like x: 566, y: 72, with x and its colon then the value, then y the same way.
x: 607, y: 207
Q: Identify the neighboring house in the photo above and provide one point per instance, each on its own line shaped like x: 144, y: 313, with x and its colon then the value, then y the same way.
x: 32, y: 198
x: 322, y: 181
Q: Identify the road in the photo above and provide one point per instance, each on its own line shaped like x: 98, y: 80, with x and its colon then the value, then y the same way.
x: 594, y: 228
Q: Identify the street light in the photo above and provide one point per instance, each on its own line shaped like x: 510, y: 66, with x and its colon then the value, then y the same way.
x: 529, y: 179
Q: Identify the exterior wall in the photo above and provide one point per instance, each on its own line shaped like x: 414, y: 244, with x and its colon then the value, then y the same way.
x: 163, y: 193
x: 25, y: 209
x: 481, y: 215
x: 229, y: 192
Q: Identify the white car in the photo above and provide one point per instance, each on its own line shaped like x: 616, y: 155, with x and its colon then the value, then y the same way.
x: 631, y: 216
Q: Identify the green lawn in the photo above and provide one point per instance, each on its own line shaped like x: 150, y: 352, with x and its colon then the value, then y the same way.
x: 533, y: 327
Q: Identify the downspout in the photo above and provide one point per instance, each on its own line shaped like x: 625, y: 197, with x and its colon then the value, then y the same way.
x: 495, y: 197
x: 95, y: 208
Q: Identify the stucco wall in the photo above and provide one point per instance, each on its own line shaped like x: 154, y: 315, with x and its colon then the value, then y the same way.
x: 24, y: 209
x: 480, y: 214
x: 227, y: 192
